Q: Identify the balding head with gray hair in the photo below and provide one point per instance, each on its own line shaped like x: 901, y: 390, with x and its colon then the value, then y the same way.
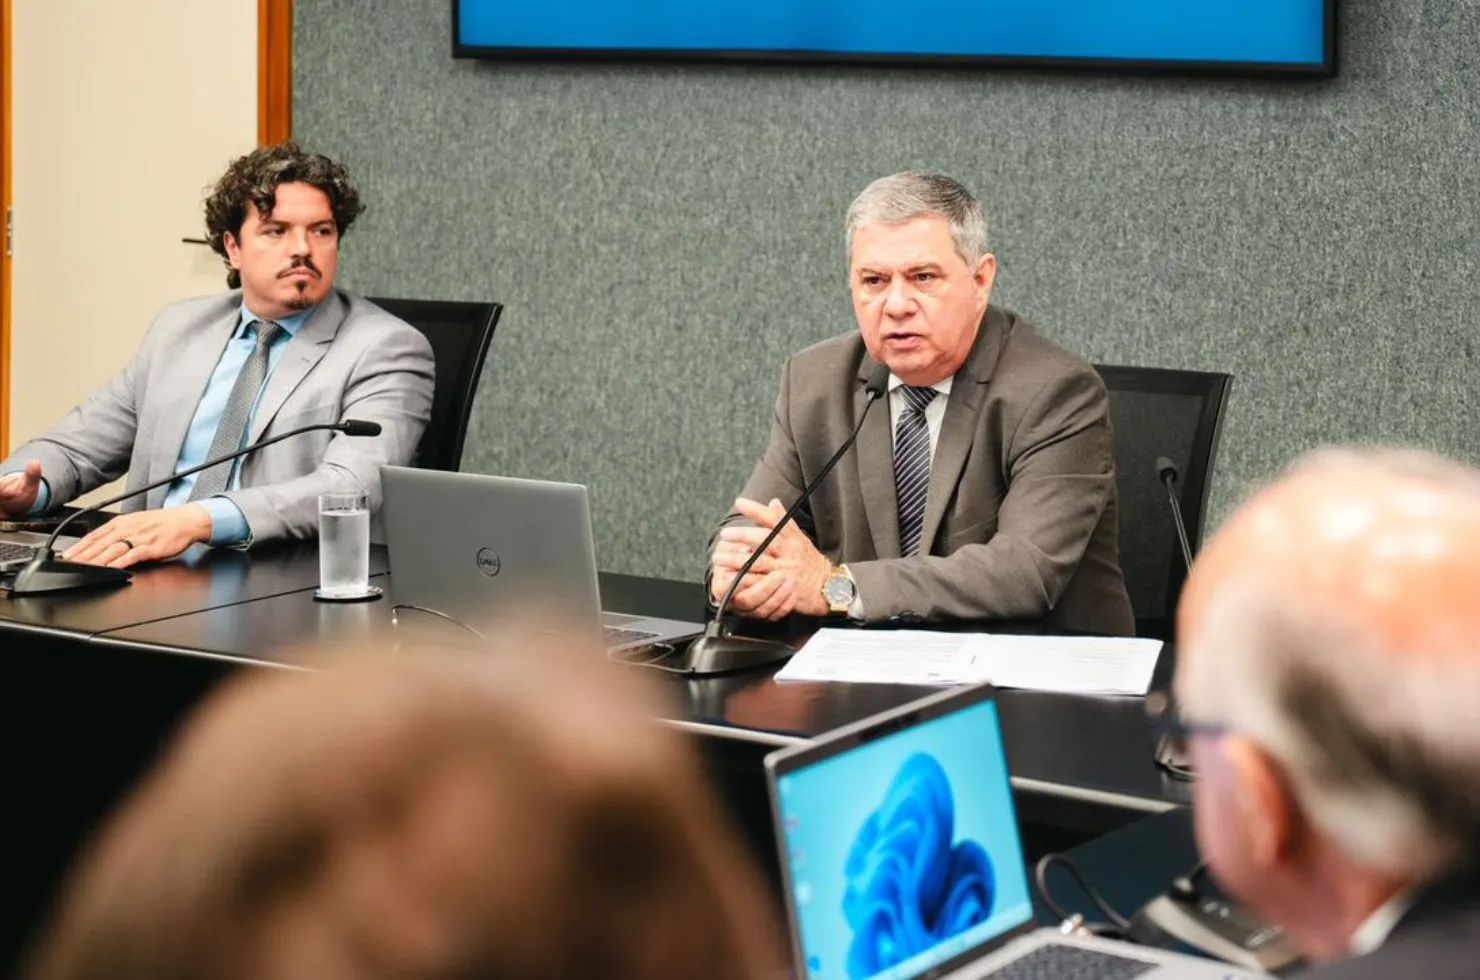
x: 1333, y: 624
x: 914, y: 194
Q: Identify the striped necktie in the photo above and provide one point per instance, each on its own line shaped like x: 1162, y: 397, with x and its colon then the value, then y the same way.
x: 232, y: 428
x: 912, y: 466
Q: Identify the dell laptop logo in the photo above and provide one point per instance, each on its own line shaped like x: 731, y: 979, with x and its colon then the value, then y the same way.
x: 488, y: 562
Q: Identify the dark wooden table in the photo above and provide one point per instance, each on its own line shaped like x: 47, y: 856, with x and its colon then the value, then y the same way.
x: 1081, y: 766
x: 1089, y: 751
x: 99, y: 681
x: 200, y: 580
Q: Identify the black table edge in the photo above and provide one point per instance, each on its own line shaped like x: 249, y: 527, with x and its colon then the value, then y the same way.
x: 1022, y: 784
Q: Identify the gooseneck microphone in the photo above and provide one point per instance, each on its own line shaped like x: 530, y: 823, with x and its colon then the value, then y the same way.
x: 1166, y: 472
x: 48, y: 573
x: 1171, y: 751
x: 717, y: 652
x: 350, y: 427
x: 1188, y: 887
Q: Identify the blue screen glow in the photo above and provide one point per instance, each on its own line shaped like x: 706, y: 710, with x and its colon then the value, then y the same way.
x: 903, y: 852
x: 1290, y: 33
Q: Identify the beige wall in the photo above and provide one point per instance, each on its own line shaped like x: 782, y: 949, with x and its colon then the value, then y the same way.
x: 123, y: 113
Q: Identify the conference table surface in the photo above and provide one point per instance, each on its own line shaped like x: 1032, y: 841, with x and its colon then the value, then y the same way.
x: 1094, y: 750
x: 201, y: 579
x: 100, y: 680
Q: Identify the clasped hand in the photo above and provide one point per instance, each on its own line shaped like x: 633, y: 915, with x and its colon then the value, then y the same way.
x: 787, y: 579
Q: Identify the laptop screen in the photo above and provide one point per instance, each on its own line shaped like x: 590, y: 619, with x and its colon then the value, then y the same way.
x: 902, y: 852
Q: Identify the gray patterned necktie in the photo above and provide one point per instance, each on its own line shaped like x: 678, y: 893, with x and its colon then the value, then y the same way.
x: 912, y: 466
x: 233, y: 426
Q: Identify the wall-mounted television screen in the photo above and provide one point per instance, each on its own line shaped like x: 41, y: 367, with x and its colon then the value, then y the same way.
x: 1279, y: 36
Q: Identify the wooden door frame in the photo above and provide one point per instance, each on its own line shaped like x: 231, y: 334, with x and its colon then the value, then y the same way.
x: 274, y: 71
x: 274, y: 125
x: 5, y: 95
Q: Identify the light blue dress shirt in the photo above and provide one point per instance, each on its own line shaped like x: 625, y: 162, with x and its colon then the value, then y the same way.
x: 228, y: 525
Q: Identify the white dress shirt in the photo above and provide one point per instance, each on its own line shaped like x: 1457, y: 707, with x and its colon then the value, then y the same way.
x: 1374, y: 930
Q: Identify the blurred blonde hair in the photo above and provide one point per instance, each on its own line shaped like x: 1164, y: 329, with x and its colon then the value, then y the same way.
x: 436, y: 814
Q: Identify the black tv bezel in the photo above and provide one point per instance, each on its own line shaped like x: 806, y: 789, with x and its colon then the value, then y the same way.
x: 1327, y: 68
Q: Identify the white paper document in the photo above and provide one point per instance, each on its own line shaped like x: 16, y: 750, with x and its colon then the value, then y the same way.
x: 881, y: 657
x: 1068, y: 664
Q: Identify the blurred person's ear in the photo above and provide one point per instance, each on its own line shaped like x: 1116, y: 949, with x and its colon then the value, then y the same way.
x: 1268, y: 810
x: 1244, y: 816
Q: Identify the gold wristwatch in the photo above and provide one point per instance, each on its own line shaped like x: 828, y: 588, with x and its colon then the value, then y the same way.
x: 839, y: 590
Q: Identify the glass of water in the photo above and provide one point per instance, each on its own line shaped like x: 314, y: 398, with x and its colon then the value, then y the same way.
x: 344, y: 545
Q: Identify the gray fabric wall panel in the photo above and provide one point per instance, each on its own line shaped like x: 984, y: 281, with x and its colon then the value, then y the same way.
x: 664, y: 236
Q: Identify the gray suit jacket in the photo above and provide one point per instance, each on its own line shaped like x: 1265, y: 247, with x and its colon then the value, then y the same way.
x: 1437, y: 939
x: 1020, y: 512
x: 350, y: 359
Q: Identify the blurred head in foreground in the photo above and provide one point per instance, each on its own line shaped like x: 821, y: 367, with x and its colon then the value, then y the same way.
x: 1329, y: 667
x: 433, y: 815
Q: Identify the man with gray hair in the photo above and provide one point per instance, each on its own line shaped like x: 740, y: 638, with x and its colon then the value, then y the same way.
x: 987, y: 492
x: 1329, y: 663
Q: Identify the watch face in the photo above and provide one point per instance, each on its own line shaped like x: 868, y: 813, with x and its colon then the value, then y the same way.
x: 838, y: 590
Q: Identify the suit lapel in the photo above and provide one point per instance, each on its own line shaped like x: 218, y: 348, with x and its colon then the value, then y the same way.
x: 198, y: 357
x: 958, y: 428
x: 875, y: 449
x: 305, y: 350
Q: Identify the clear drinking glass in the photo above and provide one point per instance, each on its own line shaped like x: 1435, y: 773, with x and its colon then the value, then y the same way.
x: 344, y: 545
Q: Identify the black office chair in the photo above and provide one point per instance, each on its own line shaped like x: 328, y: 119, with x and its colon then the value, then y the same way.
x: 460, y: 334
x: 1177, y: 414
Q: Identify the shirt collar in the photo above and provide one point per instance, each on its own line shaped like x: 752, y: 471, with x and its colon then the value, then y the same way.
x: 290, y: 324
x: 944, y: 387
x: 1375, y: 929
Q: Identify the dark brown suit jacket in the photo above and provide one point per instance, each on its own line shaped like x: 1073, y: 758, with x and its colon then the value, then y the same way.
x: 1020, y: 513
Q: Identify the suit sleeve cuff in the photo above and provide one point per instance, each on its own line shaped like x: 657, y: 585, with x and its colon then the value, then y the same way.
x: 228, y: 524
x: 43, y: 500
x: 855, y: 608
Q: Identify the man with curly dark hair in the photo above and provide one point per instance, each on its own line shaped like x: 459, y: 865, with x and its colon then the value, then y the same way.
x: 283, y: 348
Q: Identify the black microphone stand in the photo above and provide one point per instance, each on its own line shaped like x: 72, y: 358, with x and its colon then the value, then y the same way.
x: 717, y: 652
x: 48, y: 573
x: 1171, y: 751
x: 1167, y: 471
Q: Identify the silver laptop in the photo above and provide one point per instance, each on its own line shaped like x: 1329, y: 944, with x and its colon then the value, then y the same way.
x: 900, y: 858
x: 474, y: 547
x: 17, y: 548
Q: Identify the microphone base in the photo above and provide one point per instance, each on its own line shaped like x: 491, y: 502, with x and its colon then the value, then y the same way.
x: 709, y: 655
x: 1214, y: 927
x: 48, y: 575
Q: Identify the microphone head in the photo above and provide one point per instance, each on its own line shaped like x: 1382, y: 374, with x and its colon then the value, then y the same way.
x: 359, y: 427
x: 1165, y: 467
x: 878, y: 380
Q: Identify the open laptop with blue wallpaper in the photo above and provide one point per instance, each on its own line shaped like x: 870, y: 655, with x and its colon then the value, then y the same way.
x: 901, y: 858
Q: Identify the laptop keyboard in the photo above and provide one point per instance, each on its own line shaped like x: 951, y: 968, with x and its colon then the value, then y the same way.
x: 616, y: 636
x: 10, y: 552
x: 1056, y: 961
